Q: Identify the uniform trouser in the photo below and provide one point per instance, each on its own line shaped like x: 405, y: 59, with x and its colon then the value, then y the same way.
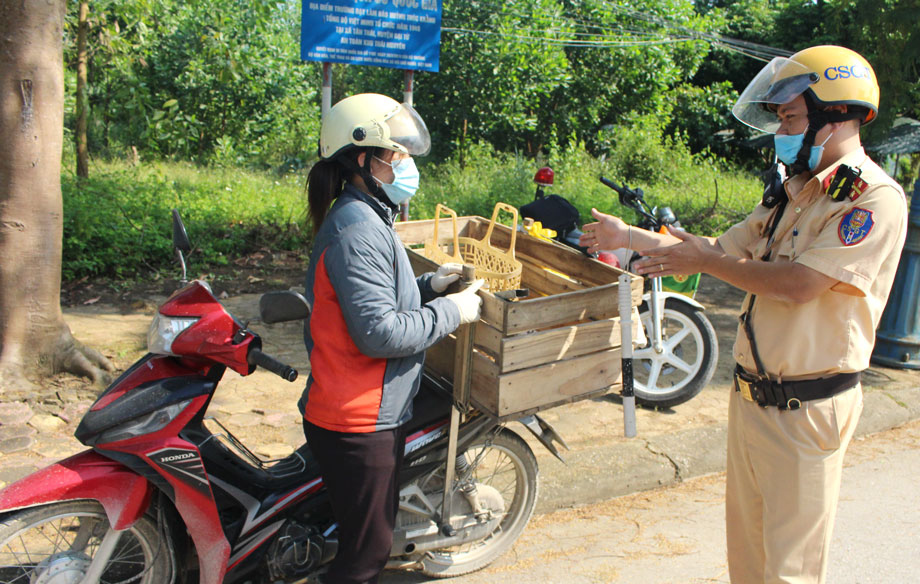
x: 360, y: 474
x: 782, y: 486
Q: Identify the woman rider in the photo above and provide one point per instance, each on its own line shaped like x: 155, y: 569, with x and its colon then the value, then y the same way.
x: 371, y: 321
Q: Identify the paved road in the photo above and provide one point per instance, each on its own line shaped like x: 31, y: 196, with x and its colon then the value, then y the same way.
x: 676, y: 535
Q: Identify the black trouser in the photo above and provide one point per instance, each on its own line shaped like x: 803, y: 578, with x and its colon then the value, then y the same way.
x: 360, y: 472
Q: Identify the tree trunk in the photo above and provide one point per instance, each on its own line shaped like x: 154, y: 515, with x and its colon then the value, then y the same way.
x: 81, y: 113
x: 34, y: 339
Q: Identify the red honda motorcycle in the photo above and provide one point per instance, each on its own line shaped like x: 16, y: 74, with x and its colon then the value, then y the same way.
x: 165, y: 494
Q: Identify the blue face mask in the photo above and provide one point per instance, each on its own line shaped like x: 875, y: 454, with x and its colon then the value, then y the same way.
x: 405, y: 180
x: 788, y: 146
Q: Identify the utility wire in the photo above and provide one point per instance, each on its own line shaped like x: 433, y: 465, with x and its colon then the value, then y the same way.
x: 570, y: 42
x: 575, y: 32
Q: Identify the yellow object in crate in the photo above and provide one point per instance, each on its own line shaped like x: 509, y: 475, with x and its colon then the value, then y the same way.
x: 497, y: 267
x: 536, y: 229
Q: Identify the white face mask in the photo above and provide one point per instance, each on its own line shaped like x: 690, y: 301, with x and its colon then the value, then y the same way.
x: 405, y: 180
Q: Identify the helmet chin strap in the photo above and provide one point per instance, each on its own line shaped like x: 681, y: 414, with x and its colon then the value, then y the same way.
x: 817, y: 119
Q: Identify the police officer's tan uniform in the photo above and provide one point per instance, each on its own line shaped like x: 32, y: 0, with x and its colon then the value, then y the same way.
x: 784, y: 465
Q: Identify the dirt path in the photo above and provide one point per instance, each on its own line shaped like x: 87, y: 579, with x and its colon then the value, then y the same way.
x: 261, y: 409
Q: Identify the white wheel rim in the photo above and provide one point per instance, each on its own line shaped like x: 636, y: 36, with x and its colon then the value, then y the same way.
x: 686, y: 338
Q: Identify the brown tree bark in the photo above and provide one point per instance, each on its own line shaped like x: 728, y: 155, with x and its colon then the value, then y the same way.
x: 34, y: 339
x: 81, y: 113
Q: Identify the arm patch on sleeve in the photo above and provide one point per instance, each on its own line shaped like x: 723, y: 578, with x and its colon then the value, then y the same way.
x: 855, y: 226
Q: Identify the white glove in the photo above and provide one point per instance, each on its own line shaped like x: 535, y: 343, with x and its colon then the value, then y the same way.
x: 468, y: 302
x: 446, y: 275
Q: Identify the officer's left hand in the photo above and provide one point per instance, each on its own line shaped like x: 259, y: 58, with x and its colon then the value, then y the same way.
x: 446, y: 275
x: 687, y: 257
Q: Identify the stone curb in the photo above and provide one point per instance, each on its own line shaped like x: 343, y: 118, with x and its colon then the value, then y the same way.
x: 640, y: 464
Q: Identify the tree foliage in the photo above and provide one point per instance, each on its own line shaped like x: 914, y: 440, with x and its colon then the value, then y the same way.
x: 535, y: 75
x: 220, y: 81
x: 212, y: 81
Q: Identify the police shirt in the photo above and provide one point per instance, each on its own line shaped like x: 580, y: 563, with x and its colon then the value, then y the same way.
x: 856, y: 241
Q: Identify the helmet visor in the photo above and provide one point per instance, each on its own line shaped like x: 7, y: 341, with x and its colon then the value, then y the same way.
x: 409, y: 131
x: 779, y: 82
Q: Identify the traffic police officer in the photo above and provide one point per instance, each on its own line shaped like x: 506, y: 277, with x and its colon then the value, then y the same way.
x: 817, y: 258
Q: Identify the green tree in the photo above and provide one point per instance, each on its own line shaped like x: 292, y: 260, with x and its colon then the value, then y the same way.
x: 210, y: 80
x: 33, y: 335
x: 885, y: 32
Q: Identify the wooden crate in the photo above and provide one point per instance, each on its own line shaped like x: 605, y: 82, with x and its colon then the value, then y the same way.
x: 560, y: 344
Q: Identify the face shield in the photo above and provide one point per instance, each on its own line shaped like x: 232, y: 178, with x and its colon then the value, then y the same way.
x: 407, y: 129
x: 779, y: 82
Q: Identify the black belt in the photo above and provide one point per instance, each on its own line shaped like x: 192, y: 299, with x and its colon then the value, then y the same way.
x: 790, y: 394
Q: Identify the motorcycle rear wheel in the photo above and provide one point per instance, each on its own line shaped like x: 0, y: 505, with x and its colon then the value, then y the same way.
x: 508, y: 465
x: 55, y: 544
x: 687, y: 361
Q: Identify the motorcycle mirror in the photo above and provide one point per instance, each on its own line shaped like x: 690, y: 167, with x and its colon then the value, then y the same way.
x: 666, y: 216
x: 180, y: 236
x: 283, y: 306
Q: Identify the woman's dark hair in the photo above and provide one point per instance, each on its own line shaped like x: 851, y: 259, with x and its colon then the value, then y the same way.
x: 324, y: 185
x: 327, y: 178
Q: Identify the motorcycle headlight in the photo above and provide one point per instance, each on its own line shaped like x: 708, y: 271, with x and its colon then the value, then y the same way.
x: 164, y: 330
x: 152, y: 422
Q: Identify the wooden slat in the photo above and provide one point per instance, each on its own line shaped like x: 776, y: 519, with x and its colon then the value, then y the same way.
x: 547, y: 346
x: 488, y: 339
x: 540, y: 387
x: 595, y: 303
x: 440, y: 360
x: 542, y: 282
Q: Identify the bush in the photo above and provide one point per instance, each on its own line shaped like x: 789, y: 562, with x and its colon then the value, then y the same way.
x: 118, y: 223
x: 707, y: 196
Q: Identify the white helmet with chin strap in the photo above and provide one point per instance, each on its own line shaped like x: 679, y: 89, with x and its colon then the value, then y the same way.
x: 371, y: 120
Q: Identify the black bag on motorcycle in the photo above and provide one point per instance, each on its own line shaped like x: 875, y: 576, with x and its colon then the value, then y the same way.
x: 554, y: 212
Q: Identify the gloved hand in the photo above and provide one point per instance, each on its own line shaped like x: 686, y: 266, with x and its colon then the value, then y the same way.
x: 468, y: 302
x: 446, y: 275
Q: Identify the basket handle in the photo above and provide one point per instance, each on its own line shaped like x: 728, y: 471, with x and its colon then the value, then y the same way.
x: 441, y: 209
x: 514, y: 212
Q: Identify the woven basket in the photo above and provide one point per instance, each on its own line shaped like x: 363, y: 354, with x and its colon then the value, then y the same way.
x: 497, y: 267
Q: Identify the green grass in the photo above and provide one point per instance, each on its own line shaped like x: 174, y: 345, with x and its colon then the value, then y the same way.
x: 706, y: 197
x: 117, y: 224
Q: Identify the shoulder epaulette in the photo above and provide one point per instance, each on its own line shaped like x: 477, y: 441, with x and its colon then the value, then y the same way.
x: 844, y: 181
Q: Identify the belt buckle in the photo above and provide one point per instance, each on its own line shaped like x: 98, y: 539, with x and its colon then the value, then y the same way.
x: 745, y: 388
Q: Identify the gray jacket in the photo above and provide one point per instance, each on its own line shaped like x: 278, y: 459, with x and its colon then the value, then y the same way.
x: 371, y: 320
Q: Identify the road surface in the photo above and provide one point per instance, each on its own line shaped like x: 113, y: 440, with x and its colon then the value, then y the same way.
x: 676, y: 535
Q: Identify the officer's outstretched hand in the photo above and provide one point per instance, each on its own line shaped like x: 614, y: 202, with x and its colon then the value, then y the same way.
x: 468, y: 301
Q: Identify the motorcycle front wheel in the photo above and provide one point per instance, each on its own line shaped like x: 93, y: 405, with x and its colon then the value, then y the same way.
x: 56, y: 544
x: 686, y: 362
x: 508, y: 465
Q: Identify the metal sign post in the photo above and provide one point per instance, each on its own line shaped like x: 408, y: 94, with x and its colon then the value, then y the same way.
x: 409, y: 77
x: 327, y: 88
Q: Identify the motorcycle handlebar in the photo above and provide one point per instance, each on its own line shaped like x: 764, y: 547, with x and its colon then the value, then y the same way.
x: 629, y: 197
x: 633, y: 198
x: 613, y: 185
x: 260, y: 359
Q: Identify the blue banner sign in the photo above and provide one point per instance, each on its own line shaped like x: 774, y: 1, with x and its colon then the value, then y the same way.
x: 402, y: 34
